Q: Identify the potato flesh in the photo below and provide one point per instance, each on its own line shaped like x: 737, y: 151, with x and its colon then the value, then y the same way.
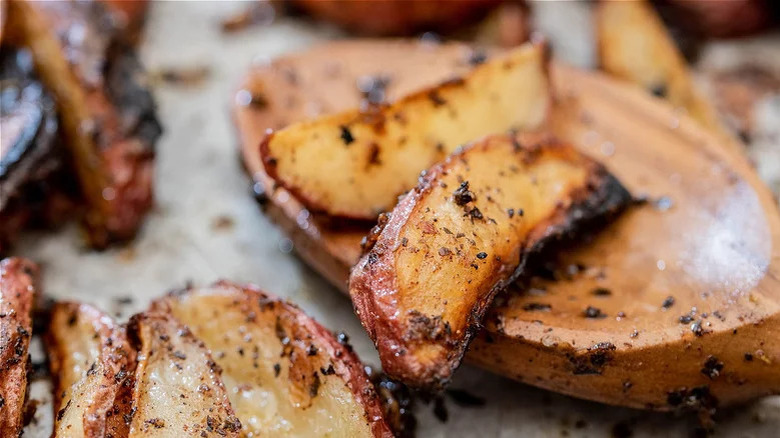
x: 178, y: 389
x: 355, y: 164
x: 266, y: 403
x: 458, y: 238
x: 423, y: 270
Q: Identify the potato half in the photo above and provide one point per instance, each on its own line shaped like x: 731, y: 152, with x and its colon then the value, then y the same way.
x: 461, y: 236
x: 17, y: 293
x: 92, y: 365
x: 178, y: 389
x: 285, y: 374
x: 355, y: 164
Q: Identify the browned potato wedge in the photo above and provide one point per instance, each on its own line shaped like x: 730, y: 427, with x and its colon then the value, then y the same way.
x: 92, y: 365
x: 356, y: 163
x: 461, y: 236
x: 285, y: 374
x: 107, y: 114
x: 633, y: 44
x: 178, y: 390
x: 16, y: 302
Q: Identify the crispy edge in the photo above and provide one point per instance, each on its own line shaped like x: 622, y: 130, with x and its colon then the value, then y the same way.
x: 110, y: 404
x: 346, y: 363
x: 17, y: 295
x: 601, y: 198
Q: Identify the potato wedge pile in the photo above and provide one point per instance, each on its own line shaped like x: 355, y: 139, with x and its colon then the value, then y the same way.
x: 432, y: 267
x: 221, y: 361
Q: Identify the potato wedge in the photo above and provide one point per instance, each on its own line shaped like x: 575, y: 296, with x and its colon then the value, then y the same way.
x: 356, y: 163
x: 285, y: 374
x: 461, y: 236
x: 633, y: 44
x: 92, y: 365
x: 17, y: 296
x: 107, y: 113
x: 178, y: 390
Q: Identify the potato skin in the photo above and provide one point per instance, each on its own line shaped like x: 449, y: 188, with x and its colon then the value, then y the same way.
x: 454, y: 283
x: 93, y: 404
x: 17, y: 292
x: 397, y: 17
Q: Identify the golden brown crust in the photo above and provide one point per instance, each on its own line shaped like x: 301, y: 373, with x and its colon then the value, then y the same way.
x: 17, y: 293
x: 355, y: 164
x: 279, y: 351
x: 92, y: 366
x: 463, y: 234
x: 107, y: 114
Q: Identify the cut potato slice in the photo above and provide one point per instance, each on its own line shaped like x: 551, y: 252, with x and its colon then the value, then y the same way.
x: 633, y: 44
x: 178, y: 390
x: 92, y: 365
x: 356, y: 163
x: 17, y: 295
x: 285, y: 374
x: 461, y: 236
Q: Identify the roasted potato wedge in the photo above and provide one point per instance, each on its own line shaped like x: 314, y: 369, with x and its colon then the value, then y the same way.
x: 463, y: 234
x: 17, y: 297
x: 356, y: 163
x: 178, y: 389
x: 92, y: 365
x: 285, y: 374
x: 108, y: 116
x: 633, y: 44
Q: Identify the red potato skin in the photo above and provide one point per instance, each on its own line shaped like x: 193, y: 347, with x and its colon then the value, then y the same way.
x: 345, y: 362
x: 373, y: 287
x: 115, y: 398
x: 397, y: 17
x: 17, y: 293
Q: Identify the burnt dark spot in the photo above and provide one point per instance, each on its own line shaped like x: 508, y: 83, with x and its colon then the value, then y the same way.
x: 748, y: 357
x: 659, y: 90
x: 474, y: 213
x: 277, y: 369
x: 436, y: 99
x: 311, y: 350
x: 601, y: 292
x: 427, y: 327
x: 328, y: 371
x: 668, y: 302
x: 346, y: 135
x: 482, y: 255
x: 594, y: 313
x: 530, y: 307
x: 692, y: 399
x: 373, y: 154
x: 510, y: 212
x: 712, y: 367
x: 462, y: 195
x: 179, y: 355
